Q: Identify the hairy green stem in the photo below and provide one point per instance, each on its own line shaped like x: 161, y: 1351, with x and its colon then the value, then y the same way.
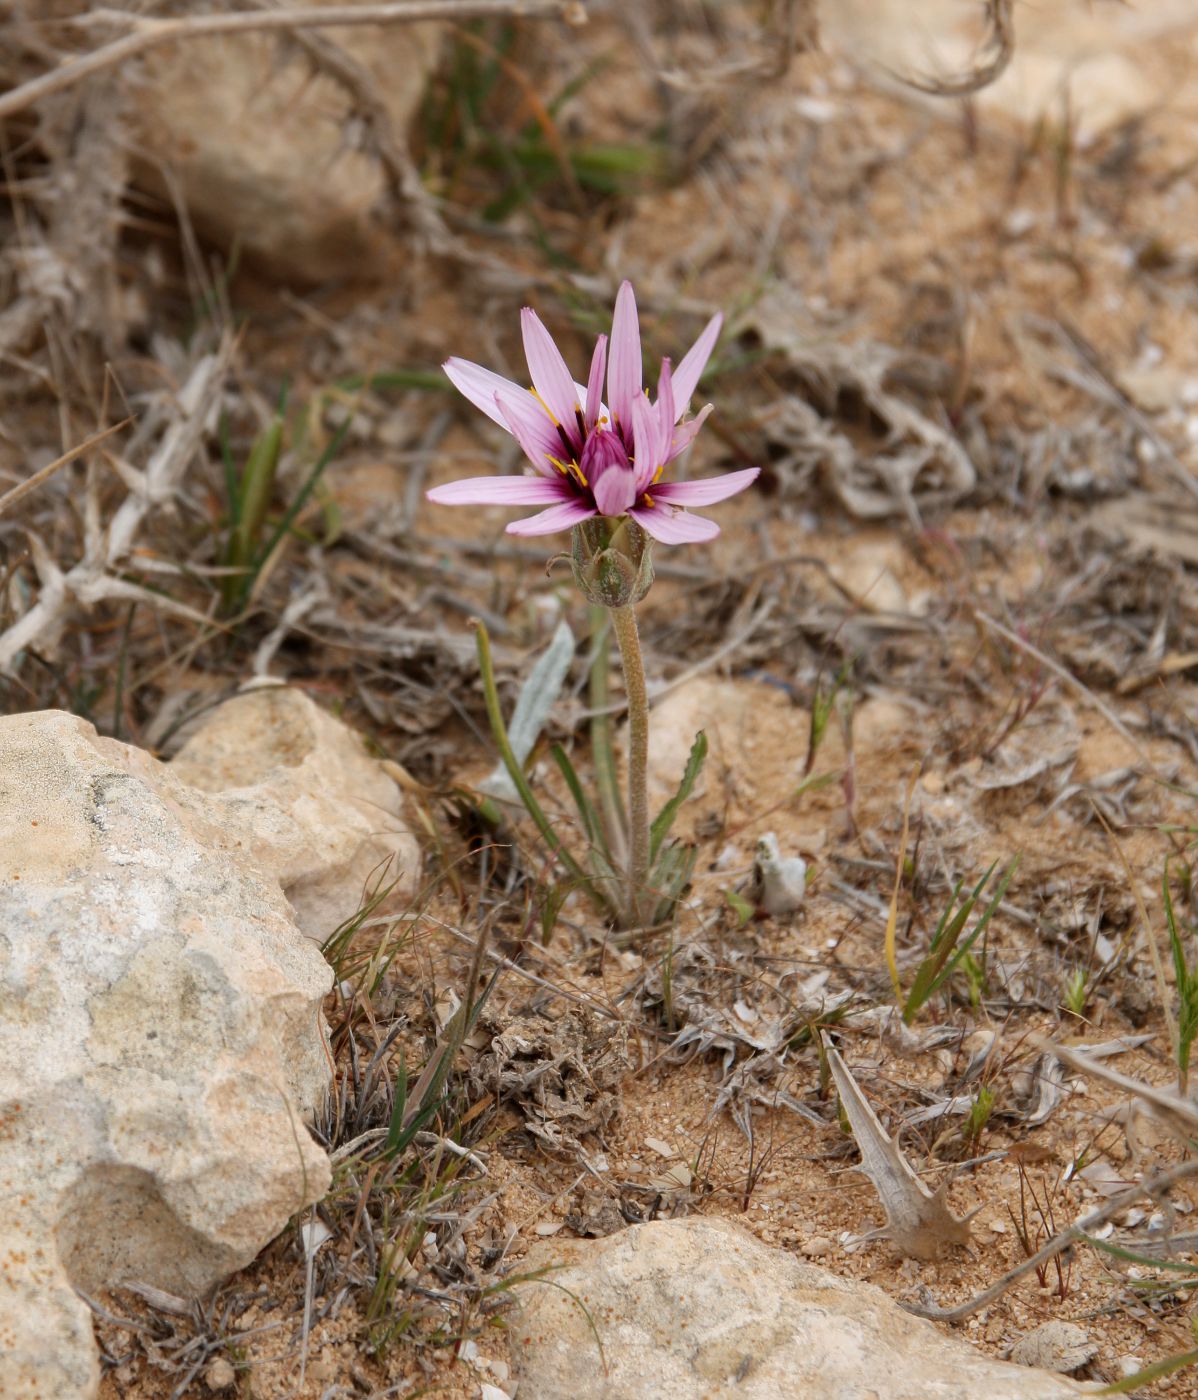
x: 615, y: 820
x: 624, y: 625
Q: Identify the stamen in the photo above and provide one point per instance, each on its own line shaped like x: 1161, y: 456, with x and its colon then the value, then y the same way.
x: 570, y: 469
x: 545, y: 406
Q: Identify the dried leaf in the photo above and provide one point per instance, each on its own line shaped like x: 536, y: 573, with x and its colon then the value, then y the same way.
x: 1176, y: 1115
x: 917, y: 1220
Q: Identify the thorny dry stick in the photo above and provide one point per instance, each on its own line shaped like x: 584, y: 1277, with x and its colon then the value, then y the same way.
x: 1154, y: 1186
x: 148, y: 32
x: 90, y: 580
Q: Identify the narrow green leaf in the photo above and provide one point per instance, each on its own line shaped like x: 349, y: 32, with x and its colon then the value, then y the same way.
x: 665, y: 818
x: 1157, y: 1371
x: 586, y: 808
x: 516, y: 773
x: 948, y: 948
x: 740, y: 906
x: 300, y: 499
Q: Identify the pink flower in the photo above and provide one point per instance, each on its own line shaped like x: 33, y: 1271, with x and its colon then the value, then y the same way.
x: 591, y: 458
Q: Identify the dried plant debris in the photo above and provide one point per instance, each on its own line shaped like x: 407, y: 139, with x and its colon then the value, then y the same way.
x: 1055, y: 1346
x: 1039, y: 753
x: 919, y: 1221
x: 1176, y: 1115
x: 561, y: 1075
x: 594, y: 1214
x: 724, y: 1001
x: 844, y: 423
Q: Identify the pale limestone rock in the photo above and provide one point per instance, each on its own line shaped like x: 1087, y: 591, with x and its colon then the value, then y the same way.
x: 268, y: 149
x: 700, y: 1309
x: 161, y: 1044
x: 1093, y: 64
x: 314, y: 809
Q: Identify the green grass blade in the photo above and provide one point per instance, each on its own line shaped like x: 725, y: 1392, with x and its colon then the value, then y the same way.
x: 586, y: 808
x: 300, y: 499
x: 947, y: 947
x: 1157, y: 1371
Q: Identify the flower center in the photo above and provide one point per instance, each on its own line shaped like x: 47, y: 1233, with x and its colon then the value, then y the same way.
x: 602, y: 451
x: 608, y: 472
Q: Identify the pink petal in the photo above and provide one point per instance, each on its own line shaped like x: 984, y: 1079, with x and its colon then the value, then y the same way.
x: 594, y: 393
x: 500, y: 491
x: 529, y: 424
x: 694, y: 362
x: 649, y: 452
x: 673, y: 526
x: 556, y: 518
x: 480, y: 385
x: 614, y: 491
x: 664, y: 407
x: 550, y: 374
x: 624, y: 360
x: 685, y: 433
x: 707, y: 492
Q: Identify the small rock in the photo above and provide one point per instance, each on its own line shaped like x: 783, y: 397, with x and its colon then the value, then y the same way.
x: 700, y: 1308
x: 268, y: 149
x: 1129, y: 1365
x: 1056, y: 1346
x: 817, y: 1246
x: 782, y: 880
x: 220, y: 1374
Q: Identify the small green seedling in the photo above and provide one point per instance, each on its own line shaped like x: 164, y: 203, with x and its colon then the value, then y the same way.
x: 950, y: 944
x: 1187, y: 990
x: 978, y: 1115
x: 1077, y: 992
x: 252, y: 537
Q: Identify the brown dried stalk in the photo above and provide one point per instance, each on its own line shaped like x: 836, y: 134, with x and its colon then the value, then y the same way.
x: 148, y: 32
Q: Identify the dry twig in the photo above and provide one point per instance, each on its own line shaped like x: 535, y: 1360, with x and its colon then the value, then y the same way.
x: 148, y: 32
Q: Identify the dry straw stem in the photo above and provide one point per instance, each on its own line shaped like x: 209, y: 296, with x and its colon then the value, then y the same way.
x: 23, y: 488
x: 1082, y: 691
x: 148, y: 32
